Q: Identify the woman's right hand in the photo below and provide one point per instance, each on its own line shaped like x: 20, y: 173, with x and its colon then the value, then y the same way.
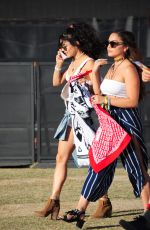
x: 59, y: 59
x: 97, y: 99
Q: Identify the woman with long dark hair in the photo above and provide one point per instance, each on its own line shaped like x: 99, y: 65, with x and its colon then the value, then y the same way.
x: 121, y: 91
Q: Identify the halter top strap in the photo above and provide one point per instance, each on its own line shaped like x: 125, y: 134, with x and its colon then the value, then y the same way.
x: 77, y: 71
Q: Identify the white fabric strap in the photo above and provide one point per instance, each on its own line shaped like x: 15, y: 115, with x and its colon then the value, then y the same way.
x: 81, y: 65
x: 78, y: 69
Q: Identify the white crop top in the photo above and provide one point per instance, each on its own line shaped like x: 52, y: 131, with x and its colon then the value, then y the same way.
x: 114, y: 88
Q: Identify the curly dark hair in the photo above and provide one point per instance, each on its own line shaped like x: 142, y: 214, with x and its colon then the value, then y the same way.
x: 85, y: 37
x: 132, y: 54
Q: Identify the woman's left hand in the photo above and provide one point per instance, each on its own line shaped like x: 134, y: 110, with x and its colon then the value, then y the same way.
x: 97, y: 99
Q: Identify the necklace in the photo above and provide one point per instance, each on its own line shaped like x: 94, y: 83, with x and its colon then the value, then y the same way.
x: 75, y: 59
x: 113, y: 70
x: 119, y: 59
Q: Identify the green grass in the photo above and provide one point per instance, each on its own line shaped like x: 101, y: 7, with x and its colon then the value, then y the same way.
x: 24, y: 190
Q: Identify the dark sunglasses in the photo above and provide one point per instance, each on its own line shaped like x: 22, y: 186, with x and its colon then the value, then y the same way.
x: 64, y: 47
x: 113, y: 44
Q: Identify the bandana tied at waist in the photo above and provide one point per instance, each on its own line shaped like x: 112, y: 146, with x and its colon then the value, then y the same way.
x: 110, y: 140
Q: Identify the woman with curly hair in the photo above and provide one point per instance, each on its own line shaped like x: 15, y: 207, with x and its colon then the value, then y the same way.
x: 80, y: 43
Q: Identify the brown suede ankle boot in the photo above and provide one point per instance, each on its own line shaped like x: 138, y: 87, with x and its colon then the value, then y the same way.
x: 52, y: 207
x: 104, y: 208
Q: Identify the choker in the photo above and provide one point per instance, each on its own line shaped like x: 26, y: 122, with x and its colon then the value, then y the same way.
x: 119, y: 59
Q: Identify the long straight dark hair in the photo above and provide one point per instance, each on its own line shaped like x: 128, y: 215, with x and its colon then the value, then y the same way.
x: 133, y: 54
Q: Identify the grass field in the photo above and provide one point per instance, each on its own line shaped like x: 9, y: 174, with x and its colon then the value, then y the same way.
x: 24, y: 190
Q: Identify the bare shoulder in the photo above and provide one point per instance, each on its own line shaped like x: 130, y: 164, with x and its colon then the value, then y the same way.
x: 130, y: 74
x: 128, y: 68
x: 89, y: 64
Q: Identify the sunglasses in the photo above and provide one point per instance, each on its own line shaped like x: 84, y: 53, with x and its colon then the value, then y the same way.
x: 64, y: 47
x: 113, y: 44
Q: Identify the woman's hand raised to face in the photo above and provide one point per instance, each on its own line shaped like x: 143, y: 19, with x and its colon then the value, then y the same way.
x: 59, y: 58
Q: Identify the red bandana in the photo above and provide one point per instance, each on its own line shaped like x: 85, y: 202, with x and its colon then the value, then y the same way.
x: 78, y: 76
x: 110, y: 140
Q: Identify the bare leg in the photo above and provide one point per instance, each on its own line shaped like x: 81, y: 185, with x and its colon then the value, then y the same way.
x: 82, y: 204
x: 65, y: 149
x: 77, y: 215
x: 145, y: 195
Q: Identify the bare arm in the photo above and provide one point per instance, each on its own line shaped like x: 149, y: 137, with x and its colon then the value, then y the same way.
x: 95, y: 76
x: 132, y: 88
x: 58, y: 76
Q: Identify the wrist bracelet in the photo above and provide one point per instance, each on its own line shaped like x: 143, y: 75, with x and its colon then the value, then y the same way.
x: 106, y: 103
x: 57, y: 68
x: 106, y: 100
x: 109, y: 103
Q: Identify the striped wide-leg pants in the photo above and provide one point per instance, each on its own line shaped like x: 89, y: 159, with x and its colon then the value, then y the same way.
x: 97, y: 184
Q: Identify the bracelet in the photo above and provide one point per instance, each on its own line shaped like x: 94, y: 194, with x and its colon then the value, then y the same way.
x: 109, y: 103
x: 106, y: 103
x: 106, y: 100
x: 57, y: 68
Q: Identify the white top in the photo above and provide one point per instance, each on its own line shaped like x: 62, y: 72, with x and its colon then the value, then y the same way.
x: 65, y: 90
x: 114, y: 88
x: 77, y: 71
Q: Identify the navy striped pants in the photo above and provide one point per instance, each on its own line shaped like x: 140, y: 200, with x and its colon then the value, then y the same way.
x: 134, y: 162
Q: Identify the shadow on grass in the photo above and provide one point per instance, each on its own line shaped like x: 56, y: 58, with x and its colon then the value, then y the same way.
x: 101, y: 227
x: 127, y: 212
x: 119, y: 213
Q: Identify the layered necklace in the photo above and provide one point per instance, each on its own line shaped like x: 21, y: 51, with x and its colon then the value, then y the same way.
x: 114, y: 67
x: 74, y: 60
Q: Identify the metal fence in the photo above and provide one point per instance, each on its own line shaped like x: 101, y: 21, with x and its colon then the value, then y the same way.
x: 30, y: 107
x: 16, y: 114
